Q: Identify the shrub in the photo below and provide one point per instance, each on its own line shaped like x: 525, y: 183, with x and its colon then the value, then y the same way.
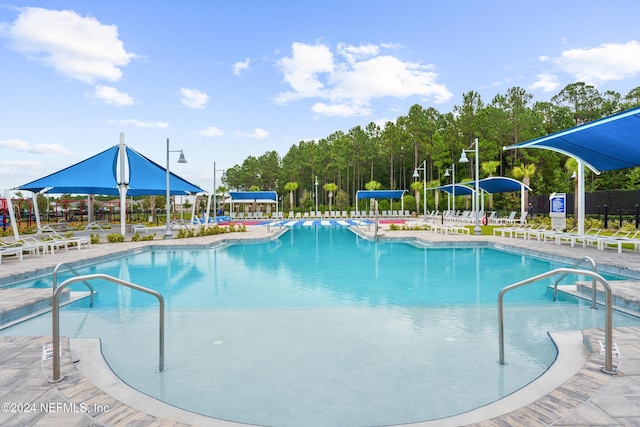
x: 95, y: 239
x: 115, y: 238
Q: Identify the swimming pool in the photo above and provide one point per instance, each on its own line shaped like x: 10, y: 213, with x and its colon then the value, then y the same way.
x: 322, y: 327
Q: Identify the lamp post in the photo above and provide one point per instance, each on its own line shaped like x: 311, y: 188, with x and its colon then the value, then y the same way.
x: 215, y: 210
x: 463, y: 159
x: 315, y: 214
x: 453, y: 185
x: 167, y: 233
x: 424, y: 186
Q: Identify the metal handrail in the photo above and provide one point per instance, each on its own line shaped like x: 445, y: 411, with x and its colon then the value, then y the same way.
x: 73, y: 271
x: 55, y: 316
x: 608, y: 328
x: 593, y: 280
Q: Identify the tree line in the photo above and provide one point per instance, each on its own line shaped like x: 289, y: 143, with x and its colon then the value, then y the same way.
x: 430, y: 141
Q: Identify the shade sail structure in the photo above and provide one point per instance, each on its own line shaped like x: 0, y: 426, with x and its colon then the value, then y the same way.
x: 380, y: 194
x: 499, y: 184
x: 607, y: 144
x: 610, y: 143
x: 95, y: 175
x: 118, y: 170
x: 251, y: 196
x: 460, y: 190
x: 98, y: 175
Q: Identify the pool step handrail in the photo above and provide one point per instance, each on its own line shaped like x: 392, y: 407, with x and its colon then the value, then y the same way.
x: 55, y: 316
x: 593, y: 280
x: 608, y: 328
x: 75, y: 273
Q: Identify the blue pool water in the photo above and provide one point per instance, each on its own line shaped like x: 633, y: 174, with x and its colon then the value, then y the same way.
x: 322, y: 328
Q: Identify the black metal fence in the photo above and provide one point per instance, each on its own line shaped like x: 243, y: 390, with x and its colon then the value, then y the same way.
x: 614, y: 207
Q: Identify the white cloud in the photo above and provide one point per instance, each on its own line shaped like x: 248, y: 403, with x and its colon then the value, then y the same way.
x: 354, y: 53
x: 347, y: 83
x: 239, y: 67
x: 612, y: 61
x: 139, y: 123
x: 193, y: 98
x: 545, y: 82
x: 340, y: 110
x: 258, y: 134
x: 301, y: 71
x: 24, y: 146
x: 211, y: 131
x: 19, y: 165
x: 111, y: 95
x: 78, y: 47
x: 13, y: 170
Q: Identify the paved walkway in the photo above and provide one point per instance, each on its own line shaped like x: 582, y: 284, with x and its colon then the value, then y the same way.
x: 90, y: 395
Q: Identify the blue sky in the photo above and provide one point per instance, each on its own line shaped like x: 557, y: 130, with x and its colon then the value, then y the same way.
x: 224, y: 80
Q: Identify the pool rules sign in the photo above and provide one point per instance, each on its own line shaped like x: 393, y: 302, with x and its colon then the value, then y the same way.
x: 557, y: 211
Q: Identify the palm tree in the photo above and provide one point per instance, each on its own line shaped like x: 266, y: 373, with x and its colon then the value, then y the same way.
x: 490, y: 168
x: 435, y: 184
x: 417, y: 186
x: 330, y: 187
x: 291, y: 187
x: 525, y: 173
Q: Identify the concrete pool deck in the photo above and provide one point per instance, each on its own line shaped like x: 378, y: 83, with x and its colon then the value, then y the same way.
x: 574, y: 393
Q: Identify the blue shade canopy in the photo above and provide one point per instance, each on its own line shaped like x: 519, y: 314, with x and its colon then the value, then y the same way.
x: 97, y: 175
x: 461, y: 190
x: 380, y: 194
x: 607, y: 144
x: 499, y: 184
x: 253, y: 195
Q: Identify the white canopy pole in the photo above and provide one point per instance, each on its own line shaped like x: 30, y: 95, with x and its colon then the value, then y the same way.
x: 193, y: 207
x: 12, y: 216
x: 523, y: 208
x: 206, y: 213
x: 581, y: 196
x: 34, y: 201
x: 122, y: 186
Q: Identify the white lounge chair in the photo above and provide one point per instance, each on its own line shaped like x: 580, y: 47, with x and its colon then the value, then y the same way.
x: 617, y: 239
x: 10, y: 250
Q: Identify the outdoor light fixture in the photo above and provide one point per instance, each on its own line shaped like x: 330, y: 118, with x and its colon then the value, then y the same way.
x: 424, y: 186
x: 463, y: 159
x: 167, y: 233
x: 215, y: 207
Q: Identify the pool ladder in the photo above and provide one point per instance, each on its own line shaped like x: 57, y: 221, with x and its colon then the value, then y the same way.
x: 608, y: 328
x: 75, y: 273
x: 55, y: 314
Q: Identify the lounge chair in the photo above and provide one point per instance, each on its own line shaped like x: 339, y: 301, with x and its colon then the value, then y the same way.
x: 143, y: 229
x: 52, y: 240
x: 10, y: 250
x: 616, y: 239
x: 510, y: 230
x: 526, y: 231
x: 589, y: 238
x: 507, y: 220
